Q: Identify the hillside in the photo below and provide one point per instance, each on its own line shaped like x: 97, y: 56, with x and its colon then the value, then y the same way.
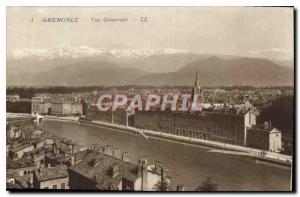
x: 213, y: 71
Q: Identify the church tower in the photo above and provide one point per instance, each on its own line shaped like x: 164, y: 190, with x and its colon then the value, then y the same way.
x: 198, y: 94
x: 197, y: 87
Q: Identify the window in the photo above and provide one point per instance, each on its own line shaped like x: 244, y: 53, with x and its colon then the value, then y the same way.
x: 54, y: 186
x: 63, y: 186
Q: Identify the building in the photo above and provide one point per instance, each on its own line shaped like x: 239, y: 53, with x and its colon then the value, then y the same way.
x: 19, y: 150
x: 231, y: 127
x: 40, y: 105
x: 85, y: 107
x: 94, y: 170
x: 12, y: 98
x: 13, y: 132
x: 20, y: 172
x: 217, y: 126
x: 226, y: 125
x: 115, y: 117
x: 264, y: 137
x: 51, y: 178
x: 18, y: 121
x: 63, y: 108
x: 21, y: 167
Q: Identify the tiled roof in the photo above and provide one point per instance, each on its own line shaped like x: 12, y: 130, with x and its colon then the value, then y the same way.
x: 52, y: 173
x: 20, y: 163
x: 96, y: 166
x: 79, y: 155
x: 59, y: 158
x: 20, y: 145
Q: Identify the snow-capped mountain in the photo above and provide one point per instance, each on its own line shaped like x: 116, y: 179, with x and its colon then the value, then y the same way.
x: 85, y: 51
x: 273, y: 54
x: 213, y: 71
x: 30, y: 63
x: 281, y: 56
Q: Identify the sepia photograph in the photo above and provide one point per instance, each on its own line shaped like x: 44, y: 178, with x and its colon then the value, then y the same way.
x: 151, y: 99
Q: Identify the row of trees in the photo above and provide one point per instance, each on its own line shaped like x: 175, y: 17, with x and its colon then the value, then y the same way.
x: 281, y: 113
x: 18, y: 107
x: 28, y: 92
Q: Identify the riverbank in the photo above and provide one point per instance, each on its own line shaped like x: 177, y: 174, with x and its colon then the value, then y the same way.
x: 188, y: 164
x: 275, y: 159
x: 62, y: 118
x: 46, y: 117
x: 269, y: 158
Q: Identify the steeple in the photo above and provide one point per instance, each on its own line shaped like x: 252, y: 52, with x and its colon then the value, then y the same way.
x: 197, y: 90
x: 196, y: 80
x: 197, y: 87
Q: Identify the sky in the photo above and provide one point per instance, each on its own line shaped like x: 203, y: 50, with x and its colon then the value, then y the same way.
x: 219, y: 30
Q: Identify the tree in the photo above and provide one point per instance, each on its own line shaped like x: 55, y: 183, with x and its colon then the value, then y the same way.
x: 207, y: 185
x: 162, y: 186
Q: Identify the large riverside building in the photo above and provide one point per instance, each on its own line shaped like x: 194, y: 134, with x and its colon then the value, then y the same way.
x: 40, y: 105
x: 232, y: 124
x: 217, y: 126
x: 66, y: 108
x: 116, y: 117
x: 238, y: 128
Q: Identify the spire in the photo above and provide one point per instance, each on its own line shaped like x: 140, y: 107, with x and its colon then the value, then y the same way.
x: 197, y: 86
x: 196, y: 79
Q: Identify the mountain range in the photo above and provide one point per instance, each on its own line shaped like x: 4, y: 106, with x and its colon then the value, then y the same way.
x: 85, y: 66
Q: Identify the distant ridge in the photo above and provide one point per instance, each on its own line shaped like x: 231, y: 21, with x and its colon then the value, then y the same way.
x: 214, y: 71
x: 179, y: 69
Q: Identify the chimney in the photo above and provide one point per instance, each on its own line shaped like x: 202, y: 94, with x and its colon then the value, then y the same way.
x: 108, y: 150
x: 180, y: 188
x: 162, y: 174
x: 126, y: 156
x: 49, y: 165
x: 95, y: 147
x: 72, y: 148
x: 54, y: 148
x: 117, y: 153
x: 266, y: 125
x: 270, y: 124
x: 98, y: 148
x: 73, y: 160
x: 143, y: 172
x: 142, y: 165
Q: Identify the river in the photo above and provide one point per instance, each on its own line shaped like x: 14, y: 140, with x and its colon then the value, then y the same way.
x: 187, y: 165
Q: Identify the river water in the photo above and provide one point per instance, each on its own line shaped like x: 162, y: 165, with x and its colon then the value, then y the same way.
x: 187, y: 165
